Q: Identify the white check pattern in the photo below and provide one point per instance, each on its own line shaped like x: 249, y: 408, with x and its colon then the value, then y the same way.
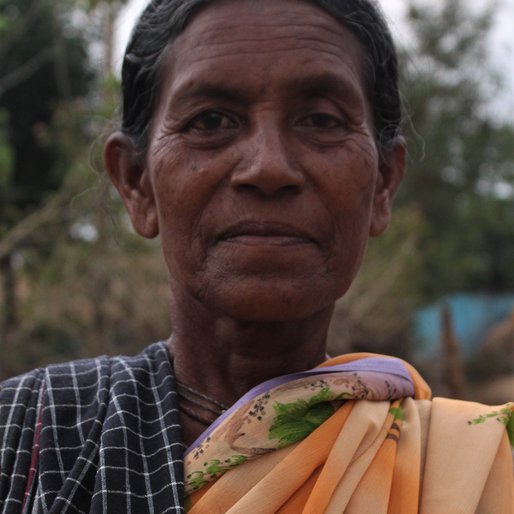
x: 97, y: 436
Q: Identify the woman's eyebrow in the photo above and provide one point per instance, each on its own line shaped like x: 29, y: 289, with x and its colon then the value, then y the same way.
x: 326, y: 83
x: 208, y: 90
x: 315, y: 84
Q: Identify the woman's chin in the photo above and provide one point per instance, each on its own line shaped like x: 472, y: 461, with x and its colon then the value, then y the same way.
x: 275, y: 303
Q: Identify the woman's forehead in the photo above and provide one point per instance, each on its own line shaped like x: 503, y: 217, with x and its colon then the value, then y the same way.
x: 231, y: 41
x: 222, y: 17
x: 235, y: 23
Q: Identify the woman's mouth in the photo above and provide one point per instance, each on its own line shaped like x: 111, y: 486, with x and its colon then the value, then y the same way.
x: 265, y: 233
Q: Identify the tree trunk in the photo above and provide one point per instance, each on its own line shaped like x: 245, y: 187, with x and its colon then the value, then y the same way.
x: 9, y: 308
x: 100, y: 343
x: 453, y: 376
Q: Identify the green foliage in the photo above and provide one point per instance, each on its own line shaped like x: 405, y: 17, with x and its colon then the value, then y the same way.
x: 87, y: 285
x: 94, y: 4
x: 6, y: 157
x: 464, y: 159
x: 43, y: 64
x: 4, y: 24
x: 375, y: 314
x: 73, y: 292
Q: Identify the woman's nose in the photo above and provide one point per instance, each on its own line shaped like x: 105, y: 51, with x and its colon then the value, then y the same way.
x: 268, y: 166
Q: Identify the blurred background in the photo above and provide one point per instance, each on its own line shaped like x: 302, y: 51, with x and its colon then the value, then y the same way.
x: 437, y: 288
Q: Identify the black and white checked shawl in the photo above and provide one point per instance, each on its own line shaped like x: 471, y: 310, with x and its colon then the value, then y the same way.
x: 99, y: 436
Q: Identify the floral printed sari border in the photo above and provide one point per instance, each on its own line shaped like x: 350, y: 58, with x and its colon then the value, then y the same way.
x: 394, y: 368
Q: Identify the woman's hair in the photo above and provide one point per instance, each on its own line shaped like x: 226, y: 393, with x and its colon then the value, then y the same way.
x: 164, y: 20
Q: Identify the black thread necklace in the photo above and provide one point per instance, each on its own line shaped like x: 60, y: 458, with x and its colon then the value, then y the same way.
x: 187, y: 394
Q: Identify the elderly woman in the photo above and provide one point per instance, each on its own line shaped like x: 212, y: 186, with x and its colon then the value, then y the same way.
x: 261, y: 141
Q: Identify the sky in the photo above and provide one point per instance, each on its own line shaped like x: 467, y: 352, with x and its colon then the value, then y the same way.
x: 501, y: 41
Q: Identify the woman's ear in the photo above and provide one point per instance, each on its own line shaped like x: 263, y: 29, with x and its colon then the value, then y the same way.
x: 391, y: 171
x: 131, y: 179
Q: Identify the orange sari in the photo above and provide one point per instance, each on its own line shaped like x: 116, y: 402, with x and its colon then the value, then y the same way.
x: 370, y: 456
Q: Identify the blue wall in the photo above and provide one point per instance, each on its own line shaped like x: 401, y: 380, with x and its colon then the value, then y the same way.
x: 472, y: 314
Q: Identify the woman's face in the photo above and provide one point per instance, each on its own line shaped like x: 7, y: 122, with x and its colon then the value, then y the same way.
x: 262, y: 173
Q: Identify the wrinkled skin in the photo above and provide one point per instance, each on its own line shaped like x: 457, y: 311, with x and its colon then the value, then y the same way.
x: 264, y: 181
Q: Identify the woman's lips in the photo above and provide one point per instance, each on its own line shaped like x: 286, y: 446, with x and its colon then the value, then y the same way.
x: 268, y: 240
x: 265, y: 233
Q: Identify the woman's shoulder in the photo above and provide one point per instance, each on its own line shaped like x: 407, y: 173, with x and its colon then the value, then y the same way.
x: 79, y: 382
x: 70, y: 418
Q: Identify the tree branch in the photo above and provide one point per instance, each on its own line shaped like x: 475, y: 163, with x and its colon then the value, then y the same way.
x: 23, y: 230
x: 25, y: 70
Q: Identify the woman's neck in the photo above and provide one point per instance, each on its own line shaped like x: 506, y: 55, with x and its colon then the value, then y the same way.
x: 225, y: 358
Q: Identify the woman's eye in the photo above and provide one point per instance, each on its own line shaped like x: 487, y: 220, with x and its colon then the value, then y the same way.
x: 210, y: 121
x: 321, y: 120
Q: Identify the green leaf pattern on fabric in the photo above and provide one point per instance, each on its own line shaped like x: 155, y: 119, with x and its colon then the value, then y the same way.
x: 510, y: 428
x: 289, y: 412
x: 296, y: 420
x: 397, y: 413
x: 279, y: 417
x: 502, y: 415
x: 213, y: 469
x: 505, y: 416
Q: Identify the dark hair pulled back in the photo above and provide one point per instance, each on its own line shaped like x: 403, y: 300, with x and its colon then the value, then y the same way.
x: 164, y: 20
